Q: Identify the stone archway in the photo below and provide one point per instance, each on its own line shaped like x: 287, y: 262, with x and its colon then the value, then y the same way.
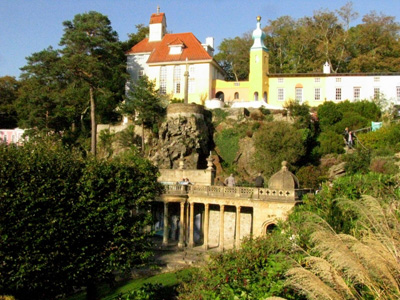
x: 220, y: 96
x: 268, y: 226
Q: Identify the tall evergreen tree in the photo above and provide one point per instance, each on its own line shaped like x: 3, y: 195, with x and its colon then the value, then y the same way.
x: 93, y: 56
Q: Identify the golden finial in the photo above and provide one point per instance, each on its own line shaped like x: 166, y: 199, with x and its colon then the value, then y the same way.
x: 258, y: 18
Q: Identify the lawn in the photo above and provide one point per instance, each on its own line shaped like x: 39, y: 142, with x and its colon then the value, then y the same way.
x: 166, y: 279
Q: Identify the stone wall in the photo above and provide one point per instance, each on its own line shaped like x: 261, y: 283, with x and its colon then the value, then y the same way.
x: 200, y: 177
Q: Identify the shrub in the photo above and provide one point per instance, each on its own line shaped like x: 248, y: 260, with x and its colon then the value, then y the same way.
x: 384, y: 165
x: 357, y: 162
x: 275, y: 142
x: 330, y: 142
x: 309, y: 177
x: 227, y: 142
x: 328, y: 115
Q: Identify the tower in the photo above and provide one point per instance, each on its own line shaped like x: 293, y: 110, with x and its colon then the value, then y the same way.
x: 157, y: 26
x: 258, y: 77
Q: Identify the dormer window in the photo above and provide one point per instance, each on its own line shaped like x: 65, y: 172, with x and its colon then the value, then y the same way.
x: 176, y: 47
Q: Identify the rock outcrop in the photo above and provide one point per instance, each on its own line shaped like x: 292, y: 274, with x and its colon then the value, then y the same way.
x: 184, y: 133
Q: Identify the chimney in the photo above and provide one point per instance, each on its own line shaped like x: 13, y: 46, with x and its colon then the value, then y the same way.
x: 209, y: 45
x: 327, y: 68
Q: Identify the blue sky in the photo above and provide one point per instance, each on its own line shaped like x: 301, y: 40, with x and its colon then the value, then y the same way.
x: 28, y: 26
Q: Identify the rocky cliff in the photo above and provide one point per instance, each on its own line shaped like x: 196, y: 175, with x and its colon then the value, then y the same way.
x: 186, y: 132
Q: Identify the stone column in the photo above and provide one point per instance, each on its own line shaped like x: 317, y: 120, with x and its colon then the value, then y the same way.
x: 166, y: 225
x: 182, y: 222
x: 237, y: 240
x: 206, y: 220
x: 221, y: 227
x: 191, y: 225
x: 186, y: 87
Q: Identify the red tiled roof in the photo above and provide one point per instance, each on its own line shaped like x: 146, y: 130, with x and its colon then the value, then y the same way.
x: 193, y: 49
x: 177, y: 42
x: 157, y: 18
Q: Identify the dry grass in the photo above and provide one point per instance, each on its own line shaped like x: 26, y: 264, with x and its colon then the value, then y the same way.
x: 352, y: 266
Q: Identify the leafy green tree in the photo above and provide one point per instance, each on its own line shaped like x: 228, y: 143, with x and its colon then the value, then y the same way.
x: 145, y: 104
x: 141, y: 32
x: 328, y: 115
x: 46, y: 99
x: 234, y: 57
x: 375, y: 44
x: 276, y: 142
x: 92, y: 55
x: 69, y: 222
x: 8, y: 95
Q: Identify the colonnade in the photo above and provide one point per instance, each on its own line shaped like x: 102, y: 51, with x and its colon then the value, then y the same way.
x: 186, y: 228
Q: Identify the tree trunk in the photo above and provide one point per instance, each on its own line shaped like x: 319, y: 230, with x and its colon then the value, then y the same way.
x: 93, y: 122
x: 142, y: 137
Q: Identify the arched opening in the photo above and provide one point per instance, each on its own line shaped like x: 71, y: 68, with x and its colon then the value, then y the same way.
x: 255, y: 96
x: 220, y: 96
x: 265, y: 97
x: 236, y: 95
x: 270, y: 228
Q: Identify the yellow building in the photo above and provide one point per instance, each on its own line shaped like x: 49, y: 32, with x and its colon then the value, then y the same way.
x: 166, y: 58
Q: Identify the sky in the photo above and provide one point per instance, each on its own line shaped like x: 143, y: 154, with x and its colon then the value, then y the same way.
x: 29, y: 26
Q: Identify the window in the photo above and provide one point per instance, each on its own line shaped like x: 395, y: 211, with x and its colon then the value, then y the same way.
x: 280, y: 80
x: 281, y: 94
x: 377, y: 79
x: 192, y: 79
x: 265, y: 97
x: 177, y: 79
x: 317, y: 94
x: 338, y: 79
x: 255, y: 96
x: 236, y: 95
x: 141, y: 73
x: 356, y: 93
x: 5, y: 139
x: 317, y: 80
x: 338, y: 95
x: 377, y: 92
x: 163, y: 80
x: 398, y: 93
x: 299, y: 94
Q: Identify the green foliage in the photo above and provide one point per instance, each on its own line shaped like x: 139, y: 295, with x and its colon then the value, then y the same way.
x: 227, y: 142
x: 310, y: 177
x: 233, y: 56
x: 357, y: 162
x: 275, y: 142
x: 330, y: 142
x: 387, y: 137
x: 68, y: 221
x: 328, y: 115
x: 253, y: 272
x: 8, y: 95
x: 219, y: 115
x: 384, y: 165
x: 144, y: 101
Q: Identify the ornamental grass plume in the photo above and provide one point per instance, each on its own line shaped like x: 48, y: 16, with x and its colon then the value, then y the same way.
x: 310, y: 285
x: 363, y: 265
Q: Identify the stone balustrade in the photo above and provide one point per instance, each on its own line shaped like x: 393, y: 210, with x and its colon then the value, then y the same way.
x: 235, y: 192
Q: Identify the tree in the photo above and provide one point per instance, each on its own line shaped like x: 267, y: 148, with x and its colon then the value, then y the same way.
x: 46, y: 99
x: 8, y: 94
x: 275, y: 142
x: 69, y: 222
x: 93, y: 56
x: 145, y: 103
x: 375, y: 44
x: 234, y: 57
x: 134, y: 38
